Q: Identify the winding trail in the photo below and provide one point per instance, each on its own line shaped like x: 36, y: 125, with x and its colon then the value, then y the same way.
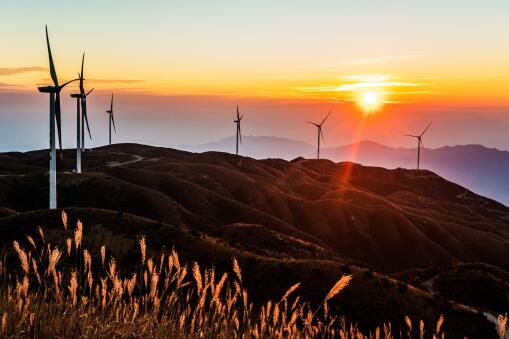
x: 116, y: 164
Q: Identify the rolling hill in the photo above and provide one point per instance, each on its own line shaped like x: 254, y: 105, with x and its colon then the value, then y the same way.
x: 480, y: 169
x: 286, y: 221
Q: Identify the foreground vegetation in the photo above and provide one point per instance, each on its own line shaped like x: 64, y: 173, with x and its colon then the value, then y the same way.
x: 61, y: 290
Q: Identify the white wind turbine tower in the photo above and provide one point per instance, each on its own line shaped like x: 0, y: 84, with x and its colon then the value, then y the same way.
x: 54, y: 115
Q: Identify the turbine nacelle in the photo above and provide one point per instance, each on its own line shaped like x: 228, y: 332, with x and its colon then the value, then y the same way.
x: 47, y: 89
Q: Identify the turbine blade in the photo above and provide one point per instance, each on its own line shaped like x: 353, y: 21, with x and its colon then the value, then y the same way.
x: 321, y: 134
x: 58, y: 118
x: 410, y: 135
x: 325, y: 118
x: 312, y: 123
x: 111, y: 105
x: 422, y: 144
x: 52, y: 70
x: 240, y: 119
x: 88, y: 126
x: 85, y: 116
x: 82, y: 90
x: 113, y: 120
x: 82, y: 62
x: 425, y: 129
x: 65, y: 84
x: 86, y: 95
x: 237, y: 112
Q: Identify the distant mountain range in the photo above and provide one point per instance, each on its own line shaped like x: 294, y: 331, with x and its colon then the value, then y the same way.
x: 481, y: 169
x: 258, y: 147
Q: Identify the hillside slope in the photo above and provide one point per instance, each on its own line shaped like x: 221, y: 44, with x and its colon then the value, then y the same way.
x: 391, y: 220
x: 480, y: 169
x: 286, y: 221
x: 370, y: 300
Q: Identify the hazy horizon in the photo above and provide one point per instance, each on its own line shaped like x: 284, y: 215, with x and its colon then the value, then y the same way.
x: 189, y: 122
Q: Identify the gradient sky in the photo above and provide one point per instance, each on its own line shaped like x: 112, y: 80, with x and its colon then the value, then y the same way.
x: 179, y: 68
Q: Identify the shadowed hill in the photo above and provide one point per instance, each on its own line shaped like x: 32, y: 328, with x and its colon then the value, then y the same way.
x: 392, y: 220
x: 476, y: 167
x: 371, y: 299
x: 479, y: 168
x: 286, y: 221
x: 480, y: 285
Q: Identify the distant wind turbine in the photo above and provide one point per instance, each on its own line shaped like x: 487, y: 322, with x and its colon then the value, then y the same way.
x: 84, y: 115
x: 239, y: 134
x: 419, y: 143
x: 111, y: 119
x: 54, y: 115
x: 320, y: 133
x: 81, y: 98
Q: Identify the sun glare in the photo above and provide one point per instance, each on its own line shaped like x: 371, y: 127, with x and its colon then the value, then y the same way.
x: 369, y: 101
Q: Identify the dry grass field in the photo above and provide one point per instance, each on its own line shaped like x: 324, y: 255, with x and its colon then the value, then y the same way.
x: 57, y: 291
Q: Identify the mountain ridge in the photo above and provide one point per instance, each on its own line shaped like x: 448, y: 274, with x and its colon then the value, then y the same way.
x: 480, y: 168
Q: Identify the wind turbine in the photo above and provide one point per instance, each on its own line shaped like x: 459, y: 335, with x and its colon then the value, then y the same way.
x: 111, y: 119
x: 81, y: 98
x: 419, y: 143
x: 84, y: 116
x: 320, y: 133
x: 54, y: 115
x: 239, y: 135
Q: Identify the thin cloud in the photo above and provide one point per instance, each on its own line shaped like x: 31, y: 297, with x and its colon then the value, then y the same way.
x: 413, y: 92
x: 5, y: 85
x: 341, y: 100
x: 358, y: 82
x: 6, y: 71
x: 352, y: 87
x: 368, y: 77
x: 385, y: 59
x: 114, y: 81
x: 103, y: 81
x: 371, y: 61
x: 356, y: 86
x: 321, y: 88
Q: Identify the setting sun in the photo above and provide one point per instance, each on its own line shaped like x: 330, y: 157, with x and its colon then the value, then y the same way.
x: 370, y: 101
x: 370, y: 98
